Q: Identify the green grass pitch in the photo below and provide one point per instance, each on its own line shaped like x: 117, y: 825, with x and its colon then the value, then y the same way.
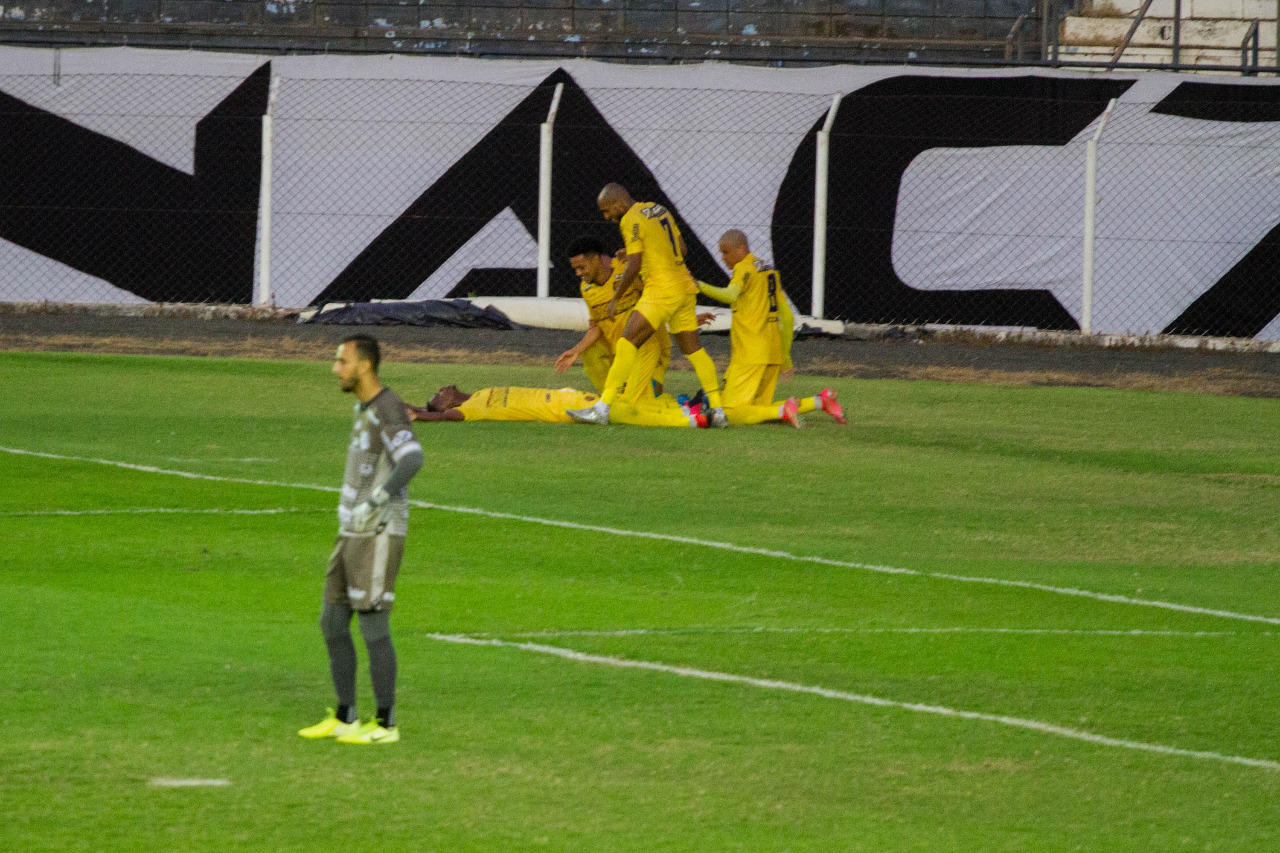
x: 185, y: 645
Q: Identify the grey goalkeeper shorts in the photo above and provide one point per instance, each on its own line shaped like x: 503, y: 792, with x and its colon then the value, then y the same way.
x: 362, y: 571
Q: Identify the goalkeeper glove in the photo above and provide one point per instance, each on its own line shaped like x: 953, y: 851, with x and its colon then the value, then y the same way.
x: 368, y: 515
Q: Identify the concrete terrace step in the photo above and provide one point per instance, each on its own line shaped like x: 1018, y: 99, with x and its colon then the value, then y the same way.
x: 1228, y: 60
x: 1158, y: 32
x: 1238, y: 10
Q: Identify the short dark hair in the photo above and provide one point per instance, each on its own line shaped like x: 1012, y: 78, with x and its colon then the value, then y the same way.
x: 366, y: 348
x: 587, y: 246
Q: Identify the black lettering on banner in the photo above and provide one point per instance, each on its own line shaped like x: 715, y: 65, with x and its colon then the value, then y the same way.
x: 1247, y: 298
x: 878, y: 131
x: 106, y: 209
x: 501, y: 171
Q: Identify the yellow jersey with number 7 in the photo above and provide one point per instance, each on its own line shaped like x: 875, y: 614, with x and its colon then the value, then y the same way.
x: 649, y: 230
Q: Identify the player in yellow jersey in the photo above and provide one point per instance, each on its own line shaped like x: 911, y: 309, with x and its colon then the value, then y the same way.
x: 545, y: 405
x: 598, y: 271
x: 759, y: 349
x: 655, y: 252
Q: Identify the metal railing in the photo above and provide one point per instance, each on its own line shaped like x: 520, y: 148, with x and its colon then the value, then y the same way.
x: 1249, y: 51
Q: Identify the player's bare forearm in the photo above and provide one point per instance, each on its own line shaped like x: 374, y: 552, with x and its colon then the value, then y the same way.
x: 569, y: 356
x: 630, y: 275
x: 422, y: 414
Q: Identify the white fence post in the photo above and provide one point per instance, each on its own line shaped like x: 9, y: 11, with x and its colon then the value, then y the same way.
x: 264, y: 198
x: 820, y: 170
x: 544, y: 197
x: 1090, y: 211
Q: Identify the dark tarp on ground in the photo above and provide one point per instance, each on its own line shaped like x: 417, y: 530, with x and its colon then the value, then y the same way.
x: 431, y: 312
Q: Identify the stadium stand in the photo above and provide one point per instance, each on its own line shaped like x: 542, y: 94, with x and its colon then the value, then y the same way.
x: 783, y: 32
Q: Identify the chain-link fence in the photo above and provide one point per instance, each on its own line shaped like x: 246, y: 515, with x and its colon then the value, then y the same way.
x: 120, y: 188
x: 404, y: 189
x: 951, y: 199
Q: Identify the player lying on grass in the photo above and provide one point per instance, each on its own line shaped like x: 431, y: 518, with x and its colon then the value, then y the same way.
x: 373, y: 521
x: 599, y: 272
x: 545, y: 405
x: 655, y: 252
x: 759, y: 340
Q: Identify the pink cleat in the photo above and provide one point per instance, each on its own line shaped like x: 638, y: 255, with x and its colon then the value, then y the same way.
x: 791, y: 412
x: 828, y: 404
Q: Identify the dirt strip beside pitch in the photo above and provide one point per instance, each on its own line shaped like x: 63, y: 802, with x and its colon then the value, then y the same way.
x: 1244, y: 374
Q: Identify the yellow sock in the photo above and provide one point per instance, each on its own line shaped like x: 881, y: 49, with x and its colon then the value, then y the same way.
x: 706, y: 370
x: 808, y: 404
x: 624, y: 356
x: 628, y: 413
x: 747, y: 415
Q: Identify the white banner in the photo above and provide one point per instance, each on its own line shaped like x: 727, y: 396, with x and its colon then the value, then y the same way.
x: 956, y: 195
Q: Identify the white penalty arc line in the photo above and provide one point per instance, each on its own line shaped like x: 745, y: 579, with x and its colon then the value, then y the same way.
x: 861, y: 699
x: 1071, y: 632
x: 153, y: 510
x: 686, y: 540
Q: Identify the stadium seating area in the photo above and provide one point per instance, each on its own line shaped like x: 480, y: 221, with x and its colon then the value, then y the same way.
x: 760, y: 30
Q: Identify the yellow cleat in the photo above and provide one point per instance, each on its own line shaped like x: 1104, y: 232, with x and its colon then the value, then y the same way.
x: 371, y: 733
x: 330, y: 726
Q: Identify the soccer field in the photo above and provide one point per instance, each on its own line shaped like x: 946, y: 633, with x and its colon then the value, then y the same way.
x: 976, y: 619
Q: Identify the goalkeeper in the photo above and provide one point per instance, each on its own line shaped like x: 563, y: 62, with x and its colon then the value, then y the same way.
x: 373, y: 520
x: 545, y: 405
x: 759, y: 341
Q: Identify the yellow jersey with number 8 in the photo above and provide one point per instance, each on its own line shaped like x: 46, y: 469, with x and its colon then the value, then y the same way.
x: 754, y: 336
x: 649, y: 230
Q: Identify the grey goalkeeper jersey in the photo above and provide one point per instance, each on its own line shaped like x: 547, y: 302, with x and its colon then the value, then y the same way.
x: 380, y: 436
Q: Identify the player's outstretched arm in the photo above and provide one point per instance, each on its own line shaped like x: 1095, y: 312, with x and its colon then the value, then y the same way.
x: 423, y: 415
x: 569, y: 356
x: 728, y: 294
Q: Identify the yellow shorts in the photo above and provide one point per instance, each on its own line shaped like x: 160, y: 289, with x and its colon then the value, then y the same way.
x: 750, y: 384
x: 662, y: 306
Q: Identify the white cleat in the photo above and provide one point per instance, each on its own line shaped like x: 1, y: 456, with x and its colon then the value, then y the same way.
x: 596, y: 414
x: 719, y: 419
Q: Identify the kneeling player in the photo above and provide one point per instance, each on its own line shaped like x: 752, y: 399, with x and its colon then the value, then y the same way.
x: 544, y: 405
x: 759, y: 346
x: 598, y: 273
x: 655, y: 254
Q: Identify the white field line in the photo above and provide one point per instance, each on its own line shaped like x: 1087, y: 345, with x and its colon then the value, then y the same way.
x: 218, y: 459
x: 939, y: 710
x: 165, y: 782
x: 154, y: 510
x: 1072, y: 632
x: 686, y: 540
